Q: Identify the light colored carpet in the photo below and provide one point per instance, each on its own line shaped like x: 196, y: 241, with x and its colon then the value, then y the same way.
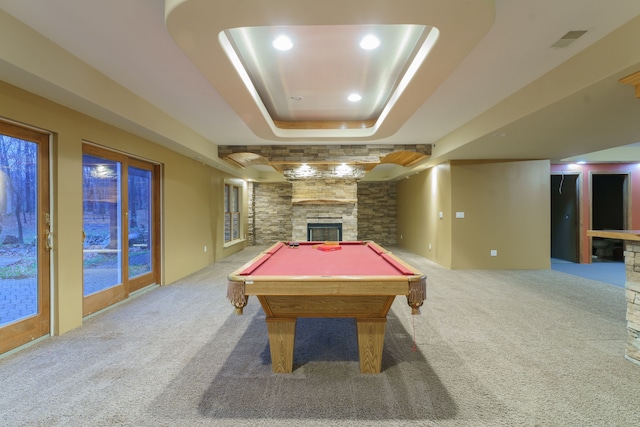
x: 494, y: 348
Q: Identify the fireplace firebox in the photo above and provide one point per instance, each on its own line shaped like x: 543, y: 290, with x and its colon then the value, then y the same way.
x: 324, y: 232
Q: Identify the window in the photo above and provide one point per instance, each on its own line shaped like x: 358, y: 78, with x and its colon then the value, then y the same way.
x: 232, y: 195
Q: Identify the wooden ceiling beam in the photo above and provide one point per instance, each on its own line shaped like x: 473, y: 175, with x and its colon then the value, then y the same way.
x: 633, y: 80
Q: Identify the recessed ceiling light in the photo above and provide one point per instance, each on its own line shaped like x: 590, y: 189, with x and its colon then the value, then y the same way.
x: 272, y: 83
x: 282, y: 43
x: 370, y: 42
x: 354, y: 97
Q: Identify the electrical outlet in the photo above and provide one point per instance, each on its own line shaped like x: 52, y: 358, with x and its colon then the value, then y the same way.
x: 494, y: 252
x: 429, y: 246
x: 205, y: 248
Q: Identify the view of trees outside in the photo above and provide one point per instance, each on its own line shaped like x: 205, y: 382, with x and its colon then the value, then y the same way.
x: 102, y: 249
x: 102, y: 223
x: 102, y: 226
x: 140, y: 203
x: 18, y: 229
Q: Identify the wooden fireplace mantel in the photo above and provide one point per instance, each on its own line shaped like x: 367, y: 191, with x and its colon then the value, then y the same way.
x: 323, y: 201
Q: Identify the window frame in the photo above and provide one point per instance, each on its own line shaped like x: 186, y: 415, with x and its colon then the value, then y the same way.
x: 232, y: 203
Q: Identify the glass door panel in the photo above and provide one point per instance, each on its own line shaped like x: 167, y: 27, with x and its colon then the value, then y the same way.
x: 101, y: 224
x: 102, y: 232
x: 143, y: 215
x: 24, y: 228
x: 140, y: 225
x: 18, y: 230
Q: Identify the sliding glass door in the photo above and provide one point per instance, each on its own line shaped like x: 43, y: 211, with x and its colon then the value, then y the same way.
x: 24, y: 236
x: 120, y: 227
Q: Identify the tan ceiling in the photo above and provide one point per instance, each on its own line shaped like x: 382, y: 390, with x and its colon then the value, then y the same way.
x: 503, y: 94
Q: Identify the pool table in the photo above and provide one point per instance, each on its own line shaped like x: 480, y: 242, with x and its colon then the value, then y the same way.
x: 326, y: 279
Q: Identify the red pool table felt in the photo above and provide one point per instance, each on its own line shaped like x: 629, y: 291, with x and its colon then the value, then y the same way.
x: 308, y: 259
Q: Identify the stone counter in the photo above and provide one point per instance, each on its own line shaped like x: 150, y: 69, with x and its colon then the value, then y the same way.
x: 632, y: 285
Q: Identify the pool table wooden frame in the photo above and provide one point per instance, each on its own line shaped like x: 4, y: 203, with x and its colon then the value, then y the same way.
x: 367, y: 298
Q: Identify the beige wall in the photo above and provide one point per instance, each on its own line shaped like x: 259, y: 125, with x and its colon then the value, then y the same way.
x: 420, y: 200
x: 506, y: 208
x: 191, y: 198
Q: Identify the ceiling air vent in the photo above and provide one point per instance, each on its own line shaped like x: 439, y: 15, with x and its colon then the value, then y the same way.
x: 569, y: 38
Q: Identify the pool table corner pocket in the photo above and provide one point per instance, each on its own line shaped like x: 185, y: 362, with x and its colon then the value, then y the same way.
x: 236, y: 294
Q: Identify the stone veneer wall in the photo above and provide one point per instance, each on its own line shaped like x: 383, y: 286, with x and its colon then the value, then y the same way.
x: 272, y: 213
x: 316, y: 153
x: 632, y: 264
x: 367, y: 211
x: 275, y: 213
x: 327, y: 201
x: 377, y: 212
x: 251, y: 238
x: 318, y: 189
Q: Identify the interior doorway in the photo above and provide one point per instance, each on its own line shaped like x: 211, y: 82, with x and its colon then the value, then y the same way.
x: 565, y: 217
x: 609, y: 211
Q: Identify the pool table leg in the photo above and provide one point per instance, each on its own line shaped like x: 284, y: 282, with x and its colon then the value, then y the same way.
x: 282, y: 334
x: 370, y: 343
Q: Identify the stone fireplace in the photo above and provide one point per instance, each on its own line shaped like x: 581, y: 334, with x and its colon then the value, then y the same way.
x: 324, y: 185
x: 324, y: 201
x: 273, y: 211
